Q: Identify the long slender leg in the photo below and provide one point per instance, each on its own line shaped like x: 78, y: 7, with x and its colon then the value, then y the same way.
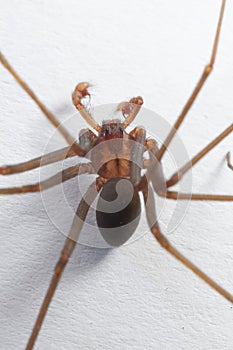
x: 154, y: 227
x: 196, y: 197
x: 49, y: 158
x: 176, y: 177
x: 204, y: 76
x: 66, y: 252
x: 229, y: 161
x: 155, y: 174
x: 71, y: 141
x: 62, y: 176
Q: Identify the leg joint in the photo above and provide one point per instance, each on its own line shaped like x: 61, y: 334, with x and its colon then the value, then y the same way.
x: 209, y: 68
x: 160, y: 238
x: 64, y: 258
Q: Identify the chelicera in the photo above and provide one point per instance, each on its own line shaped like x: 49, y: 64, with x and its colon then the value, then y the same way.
x: 117, y: 157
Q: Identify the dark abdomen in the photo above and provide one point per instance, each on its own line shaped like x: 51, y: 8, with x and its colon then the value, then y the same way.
x: 118, y: 211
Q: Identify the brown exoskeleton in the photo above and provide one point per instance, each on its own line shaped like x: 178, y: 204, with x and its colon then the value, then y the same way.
x: 117, y: 157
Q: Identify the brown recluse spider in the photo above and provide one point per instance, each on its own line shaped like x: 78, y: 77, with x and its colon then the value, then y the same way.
x: 117, y: 156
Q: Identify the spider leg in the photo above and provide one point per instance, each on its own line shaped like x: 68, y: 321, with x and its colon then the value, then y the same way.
x: 154, y: 169
x: 87, y: 140
x: 49, y: 158
x: 190, y: 101
x: 154, y: 227
x: 62, y: 176
x: 229, y: 161
x: 139, y: 136
x: 155, y: 173
x: 66, y: 252
x: 196, y: 197
x: 176, y: 177
x: 70, y: 140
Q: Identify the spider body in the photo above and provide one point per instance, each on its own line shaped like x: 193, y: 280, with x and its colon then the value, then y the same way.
x: 117, y: 157
x: 111, y: 153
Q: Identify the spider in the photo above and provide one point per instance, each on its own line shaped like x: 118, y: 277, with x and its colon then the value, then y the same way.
x: 118, y: 158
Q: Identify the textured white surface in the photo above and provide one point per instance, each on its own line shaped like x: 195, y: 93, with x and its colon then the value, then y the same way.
x: 137, y: 296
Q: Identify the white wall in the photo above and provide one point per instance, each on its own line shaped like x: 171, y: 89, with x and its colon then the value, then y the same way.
x: 136, y: 296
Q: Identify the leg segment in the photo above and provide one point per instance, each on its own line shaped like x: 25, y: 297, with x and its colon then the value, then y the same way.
x: 154, y: 169
x: 139, y: 136
x: 197, y: 88
x: 69, y: 246
x: 229, y: 161
x: 152, y: 220
x: 178, y: 175
x: 87, y: 139
x: 62, y: 176
x: 49, y: 158
x: 196, y: 197
x: 71, y: 141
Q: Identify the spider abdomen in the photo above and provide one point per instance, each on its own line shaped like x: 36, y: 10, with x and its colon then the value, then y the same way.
x: 118, y: 211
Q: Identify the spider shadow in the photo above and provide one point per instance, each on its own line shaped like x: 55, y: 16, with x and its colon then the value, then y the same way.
x: 85, y: 259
